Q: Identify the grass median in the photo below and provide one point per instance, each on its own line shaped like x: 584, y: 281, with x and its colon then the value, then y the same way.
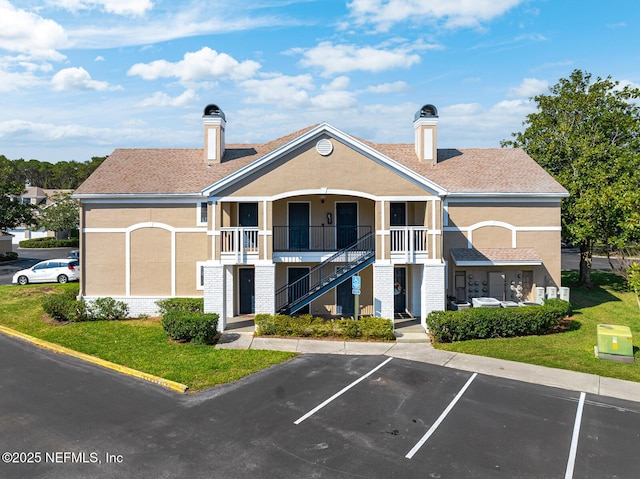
x: 609, y: 302
x: 138, y: 344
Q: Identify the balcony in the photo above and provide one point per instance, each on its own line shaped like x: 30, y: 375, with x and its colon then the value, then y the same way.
x: 409, y: 243
x: 239, y: 244
x: 316, y: 238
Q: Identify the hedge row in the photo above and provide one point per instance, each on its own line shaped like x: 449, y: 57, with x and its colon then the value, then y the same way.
x: 65, y: 307
x: 483, y: 323
x: 50, y: 243
x: 315, y: 327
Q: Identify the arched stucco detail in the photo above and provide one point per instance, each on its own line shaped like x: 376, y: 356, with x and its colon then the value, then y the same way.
x: 151, y: 225
x: 500, y: 224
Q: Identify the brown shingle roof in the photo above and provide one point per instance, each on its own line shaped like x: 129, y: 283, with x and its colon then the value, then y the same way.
x: 495, y: 255
x: 184, y: 171
x: 479, y: 170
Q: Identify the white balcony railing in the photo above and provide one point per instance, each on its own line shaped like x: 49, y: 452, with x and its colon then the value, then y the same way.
x: 238, y: 242
x: 409, y: 241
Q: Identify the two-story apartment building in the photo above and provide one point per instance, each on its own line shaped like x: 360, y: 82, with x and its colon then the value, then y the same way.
x: 284, y: 225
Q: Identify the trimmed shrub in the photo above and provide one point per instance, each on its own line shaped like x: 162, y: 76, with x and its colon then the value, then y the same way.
x: 103, y: 309
x: 49, y: 242
x: 563, y: 307
x: 483, y: 323
x: 65, y: 307
x: 190, y: 326
x: 315, y: 327
x: 195, y: 305
x: 8, y: 256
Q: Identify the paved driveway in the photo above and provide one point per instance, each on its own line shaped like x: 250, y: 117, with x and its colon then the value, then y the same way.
x: 321, y: 416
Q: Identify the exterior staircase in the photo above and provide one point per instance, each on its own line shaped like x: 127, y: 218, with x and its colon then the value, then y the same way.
x: 324, y: 277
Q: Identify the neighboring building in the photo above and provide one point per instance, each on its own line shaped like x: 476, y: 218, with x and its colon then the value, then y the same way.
x: 37, y: 196
x: 6, y: 244
x: 282, y: 226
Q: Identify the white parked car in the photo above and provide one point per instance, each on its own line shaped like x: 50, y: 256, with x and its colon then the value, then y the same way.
x: 49, y: 271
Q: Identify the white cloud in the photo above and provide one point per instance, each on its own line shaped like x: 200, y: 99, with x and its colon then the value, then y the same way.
x: 455, y: 13
x: 528, y: 88
x: 280, y: 90
x: 334, y: 100
x: 205, y: 64
x: 471, y: 125
x: 338, y: 83
x: 297, y: 92
x: 117, y: 7
x: 27, y: 33
x: 79, y: 79
x: 334, y: 59
x: 99, y: 58
x: 394, y: 87
x: 161, y: 99
x: 13, y: 81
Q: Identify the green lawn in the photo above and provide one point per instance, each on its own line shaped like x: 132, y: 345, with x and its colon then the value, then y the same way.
x: 138, y: 344
x: 142, y: 344
x: 609, y: 302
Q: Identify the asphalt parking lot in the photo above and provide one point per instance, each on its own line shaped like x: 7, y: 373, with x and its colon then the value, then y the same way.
x: 322, y: 416
x: 27, y: 257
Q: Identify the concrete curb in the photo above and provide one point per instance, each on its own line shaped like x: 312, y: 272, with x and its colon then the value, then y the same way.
x: 166, y: 383
x: 426, y: 353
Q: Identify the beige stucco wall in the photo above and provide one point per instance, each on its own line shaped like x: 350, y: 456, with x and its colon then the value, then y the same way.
x: 103, y: 264
x: 545, y: 239
x: 304, y: 168
x: 104, y: 256
x: 150, y: 262
x: 123, y: 216
x: 190, y: 247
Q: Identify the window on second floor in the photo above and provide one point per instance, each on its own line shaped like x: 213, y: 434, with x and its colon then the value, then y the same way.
x: 204, y: 214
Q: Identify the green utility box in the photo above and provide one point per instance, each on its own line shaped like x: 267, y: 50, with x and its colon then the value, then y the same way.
x: 615, y: 343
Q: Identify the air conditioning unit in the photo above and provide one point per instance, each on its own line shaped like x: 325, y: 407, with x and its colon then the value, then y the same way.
x: 540, y: 295
x: 564, y: 293
x: 552, y: 292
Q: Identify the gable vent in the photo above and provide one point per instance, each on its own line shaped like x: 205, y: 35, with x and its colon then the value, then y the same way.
x: 324, y: 147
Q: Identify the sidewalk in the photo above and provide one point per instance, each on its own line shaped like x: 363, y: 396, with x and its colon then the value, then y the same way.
x: 426, y: 353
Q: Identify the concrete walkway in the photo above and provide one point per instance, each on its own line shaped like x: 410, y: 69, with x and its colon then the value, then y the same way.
x: 425, y: 352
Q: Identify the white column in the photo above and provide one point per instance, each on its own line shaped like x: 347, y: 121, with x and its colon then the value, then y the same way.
x: 383, y: 290
x: 265, y: 288
x: 432, y: 291
x: 229, y: 276
x: 214, y: 293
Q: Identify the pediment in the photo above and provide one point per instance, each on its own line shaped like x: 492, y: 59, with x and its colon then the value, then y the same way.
x: 324, y: 158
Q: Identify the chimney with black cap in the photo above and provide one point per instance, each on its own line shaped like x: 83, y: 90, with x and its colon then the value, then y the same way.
x: 214, y: 126
x: 425, y: 125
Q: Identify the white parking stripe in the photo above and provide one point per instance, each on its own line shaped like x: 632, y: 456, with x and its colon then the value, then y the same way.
x: 574, y: 439
x: 444, y: 414
x: 340, y: 393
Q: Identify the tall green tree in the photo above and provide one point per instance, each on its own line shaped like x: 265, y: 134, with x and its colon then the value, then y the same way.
x: 61, y: 215
x: 12, y: 212
x: 586, y: 134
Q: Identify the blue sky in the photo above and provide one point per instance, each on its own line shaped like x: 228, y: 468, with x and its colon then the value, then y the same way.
x: 79, y: 78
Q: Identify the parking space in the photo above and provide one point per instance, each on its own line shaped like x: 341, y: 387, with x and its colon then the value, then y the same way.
x: 609, y: 439
x: 368, y: 413
x: 455, y: 424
